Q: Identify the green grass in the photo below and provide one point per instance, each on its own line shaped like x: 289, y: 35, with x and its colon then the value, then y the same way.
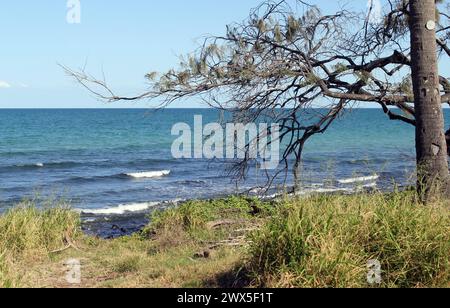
x: 28, y: 228
x: 317, y: 241
x: 190, y: 220
x: 193, y: 216
x: 30, y: 234
x: 326, y: 241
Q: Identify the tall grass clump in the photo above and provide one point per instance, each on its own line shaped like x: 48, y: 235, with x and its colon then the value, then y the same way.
x: 193, y: 216
x: 327, y: 241
x: 28, y: 233
x: 189, y: 221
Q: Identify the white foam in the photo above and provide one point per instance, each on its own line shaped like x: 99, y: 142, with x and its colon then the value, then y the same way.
x: 270, y: 197
x: 149, y: 174
x: 359, y: 179
x: 371, y: 185
x: 257, y: 190
x: 121, y: 209
x: 311, y: 191
x: 40, y: 165
x: 324, y: 191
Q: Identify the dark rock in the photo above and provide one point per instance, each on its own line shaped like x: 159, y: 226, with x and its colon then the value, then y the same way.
x: 203, y: 255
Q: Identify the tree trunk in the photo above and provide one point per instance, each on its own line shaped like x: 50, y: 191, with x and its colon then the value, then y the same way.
x: 432, y: 163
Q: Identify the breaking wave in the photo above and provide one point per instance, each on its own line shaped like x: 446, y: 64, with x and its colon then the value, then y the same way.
x: 120, y: 209
x: 359, y: 179
x: 149, y: 174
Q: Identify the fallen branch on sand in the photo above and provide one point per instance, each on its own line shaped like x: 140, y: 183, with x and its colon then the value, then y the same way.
x: 70, y: 244
x: 225, y: 222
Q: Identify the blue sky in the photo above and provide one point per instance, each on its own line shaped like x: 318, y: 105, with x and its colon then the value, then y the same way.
x: 127, y: 39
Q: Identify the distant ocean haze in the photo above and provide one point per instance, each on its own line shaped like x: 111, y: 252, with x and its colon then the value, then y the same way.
x: 119, y: 160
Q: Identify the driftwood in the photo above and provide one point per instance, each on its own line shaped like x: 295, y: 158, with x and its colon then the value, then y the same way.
x: 70, y: 244
x: 62, y: 249
x: 225, y: 222
x: 231, y: 242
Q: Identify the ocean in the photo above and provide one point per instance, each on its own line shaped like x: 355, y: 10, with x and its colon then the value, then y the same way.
x: 113, y: 165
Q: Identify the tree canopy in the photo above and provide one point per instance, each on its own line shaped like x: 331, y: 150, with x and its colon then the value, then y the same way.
x: 291, y: 62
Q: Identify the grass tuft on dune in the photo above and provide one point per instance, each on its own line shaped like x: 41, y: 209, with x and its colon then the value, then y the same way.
x: 29, y: 235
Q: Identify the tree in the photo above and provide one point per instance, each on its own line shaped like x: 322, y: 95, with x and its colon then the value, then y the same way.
x: 430, y: 138
x: 283, y: 61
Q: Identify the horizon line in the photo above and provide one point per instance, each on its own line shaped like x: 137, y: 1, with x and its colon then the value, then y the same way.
x: 147, y: 108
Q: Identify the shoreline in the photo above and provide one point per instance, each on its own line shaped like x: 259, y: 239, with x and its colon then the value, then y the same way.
x: 109, y: 226
x: 124, y: 220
